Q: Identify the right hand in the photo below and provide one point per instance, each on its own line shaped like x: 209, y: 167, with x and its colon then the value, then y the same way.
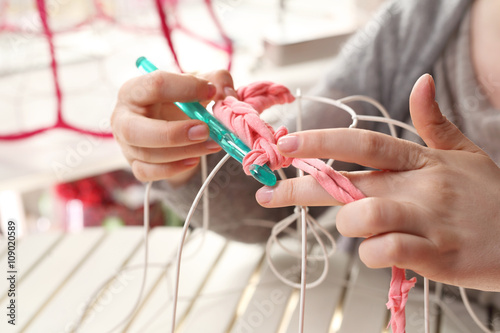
x: 157, y: 138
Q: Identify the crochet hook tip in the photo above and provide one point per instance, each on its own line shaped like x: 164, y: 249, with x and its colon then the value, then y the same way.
x: 263, y: 174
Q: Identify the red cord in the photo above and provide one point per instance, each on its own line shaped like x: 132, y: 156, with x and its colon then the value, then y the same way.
x: 101, y: 15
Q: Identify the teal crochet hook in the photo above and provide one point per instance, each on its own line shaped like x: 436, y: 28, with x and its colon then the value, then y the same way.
x: 218, y: 132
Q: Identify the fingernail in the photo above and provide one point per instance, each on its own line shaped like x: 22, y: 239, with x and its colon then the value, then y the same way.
x: 264, y: 195
x: 211, y: 90
x: 210, y: 144
x: 190, y: 161
x: 432, y: 86
x: 288, y: 143
x: 198, y: 132
x: 228, y: 91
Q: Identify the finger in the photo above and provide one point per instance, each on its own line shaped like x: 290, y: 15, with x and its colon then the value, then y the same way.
x: 146, y: 172
x: 302, y: 191
x: 373, y: 216
x: 363, y: 147
x: 223, y: 81
x: 139, y: 131
x: 434, y: 128
x: 162, y: 87
x: 398, y: 249
x: 167, y: 155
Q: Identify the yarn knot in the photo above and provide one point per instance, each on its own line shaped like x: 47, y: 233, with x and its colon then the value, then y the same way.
x: 264, y: 94
x: 266, y: 152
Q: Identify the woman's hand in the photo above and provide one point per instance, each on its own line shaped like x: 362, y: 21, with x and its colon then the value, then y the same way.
x: 159, y: 140
x: 434, y: 210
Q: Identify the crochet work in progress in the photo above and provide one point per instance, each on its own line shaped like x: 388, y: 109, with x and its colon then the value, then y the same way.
x: 242, y: 117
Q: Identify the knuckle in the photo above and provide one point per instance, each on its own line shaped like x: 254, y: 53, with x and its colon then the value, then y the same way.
x: 223, y: 76
x: 220, y: 76
x: 374, y: 213
x: 372, y: 145
x: 113, y: 120
x: 291, y: 194
x: 125, y: 89
x: 443, y: 187
x: 323, y: 142
x: 155, y: 83
x: 285, y: 193
x: 446, y: 129
x: 170, y: 134
x: 395, y: 249
x: 151, y: 86
x: 139, y: 171
x: 143, y: 154
x: 192, y: 86
x: 342, y: 221
x: 127, y: 130
x: 200, y: 88
x: 169, y: 170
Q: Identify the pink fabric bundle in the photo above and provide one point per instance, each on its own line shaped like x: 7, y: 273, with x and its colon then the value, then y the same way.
x: 242, y: 117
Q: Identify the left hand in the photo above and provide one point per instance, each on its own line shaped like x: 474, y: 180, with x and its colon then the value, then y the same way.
x: 434, y: 209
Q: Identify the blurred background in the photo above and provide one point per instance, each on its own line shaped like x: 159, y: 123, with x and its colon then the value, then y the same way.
x: 62, y: 63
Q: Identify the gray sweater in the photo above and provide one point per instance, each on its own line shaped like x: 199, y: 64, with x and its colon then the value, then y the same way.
x: 403, y: 41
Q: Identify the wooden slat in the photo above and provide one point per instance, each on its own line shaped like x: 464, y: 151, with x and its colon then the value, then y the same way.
x: 103, y: 263
x: 322, y: 301
x: 29, y: 252
x: 214, y: 309
x: 265, y: 309
x: 57, y: 265
x: 364, y: 308
x: 111, y: 308
x: 460, y: 320
x: 62, y: 271
x: 199, y: 257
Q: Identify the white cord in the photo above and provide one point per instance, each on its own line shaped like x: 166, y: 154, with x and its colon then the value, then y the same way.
x: 389, y: 121
x: 184, y: 232
x: 373, y: 102
x: 471, y: 312
x: 144, y: 275
x: 336, y: 103
x: 303, y: 275
x: 426, y: 306
x: 206, y: 201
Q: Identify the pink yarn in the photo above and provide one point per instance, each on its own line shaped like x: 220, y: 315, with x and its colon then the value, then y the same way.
x: 398, y: 295
x: 241, y: 116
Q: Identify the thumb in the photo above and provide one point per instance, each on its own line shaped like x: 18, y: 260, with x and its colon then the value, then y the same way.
x: 434, y: 128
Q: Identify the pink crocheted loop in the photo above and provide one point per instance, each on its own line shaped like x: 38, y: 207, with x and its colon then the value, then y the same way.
x: 266, y: 152
x: 242, y: 118
x: 264, y: 94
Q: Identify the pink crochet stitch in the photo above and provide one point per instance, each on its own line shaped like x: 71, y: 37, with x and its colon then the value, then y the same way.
x: 242, y: 116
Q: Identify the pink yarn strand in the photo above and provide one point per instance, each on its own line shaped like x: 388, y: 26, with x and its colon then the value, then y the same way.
x: 242, y: 117
x: 398, y: 296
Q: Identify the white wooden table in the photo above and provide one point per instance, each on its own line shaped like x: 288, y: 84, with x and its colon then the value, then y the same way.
x: 225, y: 287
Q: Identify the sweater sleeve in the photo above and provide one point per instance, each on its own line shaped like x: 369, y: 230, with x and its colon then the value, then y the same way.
x: 382, y: 60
